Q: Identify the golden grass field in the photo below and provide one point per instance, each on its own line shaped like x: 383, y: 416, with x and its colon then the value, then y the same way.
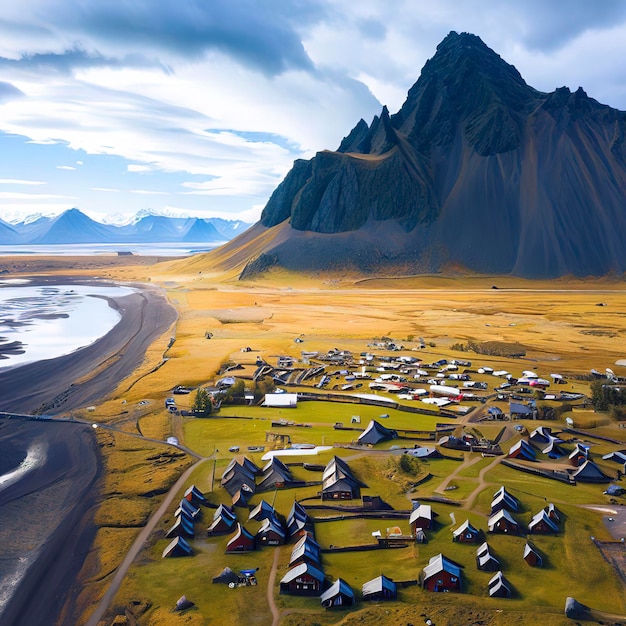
x: 562, y: 328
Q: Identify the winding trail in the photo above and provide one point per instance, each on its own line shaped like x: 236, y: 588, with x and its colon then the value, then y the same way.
x: 482, y: 483
x: 467, y: 462
x: 270, y: 589
x: 138, y: 544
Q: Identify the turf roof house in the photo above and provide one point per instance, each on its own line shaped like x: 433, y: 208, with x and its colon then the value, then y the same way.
x: 380, y: 588
x: 376, y: 433
x: 338, y: 482
x: 337, y: 595
x: 441, y: 574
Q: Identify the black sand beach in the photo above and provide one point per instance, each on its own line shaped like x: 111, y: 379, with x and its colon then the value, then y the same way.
x: 51, y: 386
x: 46, y: 518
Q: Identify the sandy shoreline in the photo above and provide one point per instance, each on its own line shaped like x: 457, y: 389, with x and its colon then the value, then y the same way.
x: 52, y: 507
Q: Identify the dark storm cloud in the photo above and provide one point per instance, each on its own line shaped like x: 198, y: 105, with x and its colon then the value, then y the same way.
x: 76, y: 58
x: 261, y: 34
x: 9, y: 92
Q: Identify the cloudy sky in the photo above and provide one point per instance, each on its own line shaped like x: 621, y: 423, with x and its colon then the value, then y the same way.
x: 199, y: 107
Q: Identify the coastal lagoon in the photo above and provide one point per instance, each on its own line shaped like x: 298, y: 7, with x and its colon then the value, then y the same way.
x: 47, y: 321
x: 167, y: 249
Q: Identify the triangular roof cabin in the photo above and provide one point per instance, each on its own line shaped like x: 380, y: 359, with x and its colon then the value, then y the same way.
x: 222, y: 524
x: 485, y: 560
x: 241, y: 499
x: 421, y: 517
x: 338, y: 594
x: 542, y: 435
x: 271, y: 532
x: 553, y: 514
x: 522, y: 450
x: 182, y: 527
x: 195, y: 496
x: 542, y: 524
x: 380, y: 588
x: 245, y: 464
x: 619, y: 456
x: 306, y: 550
x: 241, y: 541
x: 184, y: 506
x: 502, y: 499
x: 226, y: 576
x: 304, y: 579
x: 275, y: 463
x: 532, y: 557
x: 177, y: 547
x: 502, y: 522
x: 375, y: 433
x: 499, y: 587
x: 441, y: 574
x: 578, y: 455
x: 466, y: 533
x: 276, y: 476
x: 589, y: 472
x: 261, y: 511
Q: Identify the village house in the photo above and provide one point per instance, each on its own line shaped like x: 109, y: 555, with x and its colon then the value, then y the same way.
x: 441, y: 574
x: 380, y: 588
x: 502, y: 499
x: 578, y: 455
x: 542, y: 524
x: 499, y: 587
x: 182, y: 527
x: 339, y: 594
x: 261, y: 511
x: 303, y: 580
x: 375, y: 433
x: 306, y: 550
x: 224, y: 521
x: 298, y: 521
x: 466, y: 533
x: 532, y: 556
x: 589, y: 472
x: 503, y: 522
x: 421, y: 517
x: 522, y: 450
x: 276, y: 475
x: 241, y: 541
x: 338, y: 482
x: 188, y: 509
x: 195, y: 496
x: 271, y: 532
x: 485, y: 560
x: 177, y: 547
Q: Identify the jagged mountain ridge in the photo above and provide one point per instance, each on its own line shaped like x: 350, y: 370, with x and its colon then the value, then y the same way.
x: 477, y: 169
x: 73, y: 226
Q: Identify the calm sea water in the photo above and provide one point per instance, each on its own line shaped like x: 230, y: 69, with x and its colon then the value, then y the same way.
x: 45, y: 322
x: 97, y: 249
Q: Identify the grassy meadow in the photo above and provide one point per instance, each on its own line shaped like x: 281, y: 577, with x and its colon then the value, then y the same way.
x: 561, y: 328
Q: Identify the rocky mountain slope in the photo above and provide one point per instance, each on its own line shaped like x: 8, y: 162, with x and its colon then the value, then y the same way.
x: 477, y: 170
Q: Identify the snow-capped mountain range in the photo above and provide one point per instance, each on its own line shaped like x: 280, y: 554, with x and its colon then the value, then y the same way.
x: 73, y: 226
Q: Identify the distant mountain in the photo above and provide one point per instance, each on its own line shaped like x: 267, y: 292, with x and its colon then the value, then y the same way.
x: 73, y: 226
x: 477, y: 170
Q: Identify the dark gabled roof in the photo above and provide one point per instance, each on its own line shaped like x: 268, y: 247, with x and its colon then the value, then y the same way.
x: 183, y: 525
x: 375, y: 433
x: 184, y: 506
x: 589, y: 471
x: 498, y: 585
x: 528, y: 549
x: 241, y: 497
x: 241, y: 532
x: 224, y: 511
x: 335, y: 464
x: 297, y: 510
x: 275, y: 463
x: 261, y: 511
x: 524, y: 450
x: 339, y: 587
x: 235, y: 481
x: 378, y: 585
x: 177, y: 547
x: 195, y: 495
x: 272, y: 524
x: 307, y: 548
x: 303, y: 568
x: 275, y: 474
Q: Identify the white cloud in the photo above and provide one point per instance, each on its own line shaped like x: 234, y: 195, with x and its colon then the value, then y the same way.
x: 65, y: 167
x: 20, y: 181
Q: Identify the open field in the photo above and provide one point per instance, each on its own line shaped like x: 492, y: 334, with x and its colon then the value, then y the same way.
x: 562, y: 329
